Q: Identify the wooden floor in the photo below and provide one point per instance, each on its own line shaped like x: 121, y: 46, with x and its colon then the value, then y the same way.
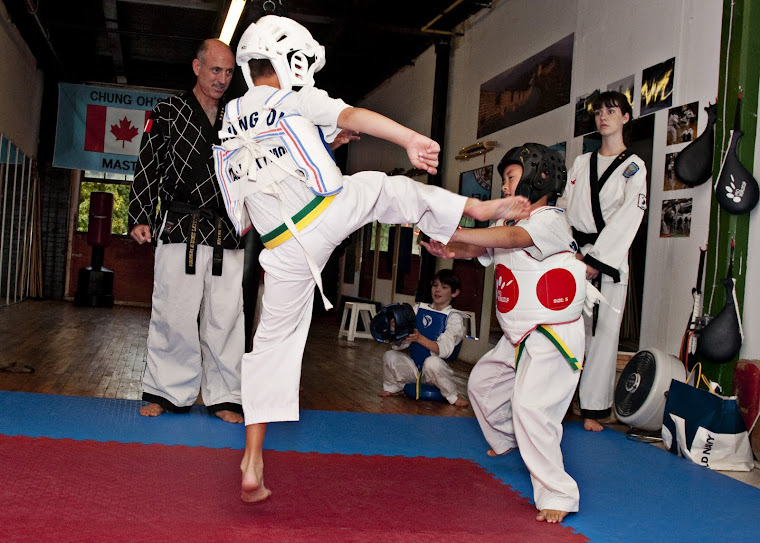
x: 100, y: 352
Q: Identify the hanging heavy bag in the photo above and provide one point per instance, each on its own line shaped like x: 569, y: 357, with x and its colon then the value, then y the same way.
x: 694, y: 163
x: 736, y: 190
x: 705, y: 427
x: 720, y: 340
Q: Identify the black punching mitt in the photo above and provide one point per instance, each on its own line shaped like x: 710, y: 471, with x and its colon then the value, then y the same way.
x: 694, y: 163
x: 736, y: 190
x: 393, y: 323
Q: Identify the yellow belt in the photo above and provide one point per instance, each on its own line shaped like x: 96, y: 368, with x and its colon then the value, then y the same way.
x: 552, y: 336
x: 302, y: 219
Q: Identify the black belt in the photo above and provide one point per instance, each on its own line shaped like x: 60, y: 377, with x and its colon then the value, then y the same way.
x: 212, y: 215
x: 584, y: 238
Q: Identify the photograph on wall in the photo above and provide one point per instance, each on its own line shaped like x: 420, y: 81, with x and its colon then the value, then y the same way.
x: 531, y: 88
x: 623, y: 86
x: 675, y: 221
x: 671, y: 179
x: 591, y: 142
x: 584, y: 114
x: 476, y: 183
x: 657, y: 87
x: 560, y: 147
x: 682, y: 123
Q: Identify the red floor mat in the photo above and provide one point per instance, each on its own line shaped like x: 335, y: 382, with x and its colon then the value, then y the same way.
x: 64, y: 490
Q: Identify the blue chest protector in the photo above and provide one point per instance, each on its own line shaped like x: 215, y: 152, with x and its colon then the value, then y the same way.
x: 431, y: 324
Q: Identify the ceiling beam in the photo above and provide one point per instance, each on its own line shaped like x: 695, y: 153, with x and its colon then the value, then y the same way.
x: 114, y: 40
x: 364, y: 24
x: 205, y: 5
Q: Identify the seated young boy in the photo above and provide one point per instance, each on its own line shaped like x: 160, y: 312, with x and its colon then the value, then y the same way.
x: 277, y: 173
x: 521, y: 389
x: 430, y: 346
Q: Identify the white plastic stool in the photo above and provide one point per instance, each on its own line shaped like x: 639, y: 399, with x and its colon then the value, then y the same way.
x: 367, y: 311
x: 470, y: 316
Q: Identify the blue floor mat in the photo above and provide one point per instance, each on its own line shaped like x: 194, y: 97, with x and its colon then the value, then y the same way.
x: 630, y: 491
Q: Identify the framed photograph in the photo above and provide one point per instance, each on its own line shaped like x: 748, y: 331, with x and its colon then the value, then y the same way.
x: 657, y: 87
x: 682, y: 123
x: 671, y: 181
x: 476, y: 183
x: 536, y: 85
x: 584, y: 114
x: 624, y: 86
x: 675, y: 219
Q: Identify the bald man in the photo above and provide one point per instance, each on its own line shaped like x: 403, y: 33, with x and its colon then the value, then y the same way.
x: 196, y: 337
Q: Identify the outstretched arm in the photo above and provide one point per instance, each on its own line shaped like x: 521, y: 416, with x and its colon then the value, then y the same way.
x: 473, y: 242
x: 498, y: 237
x: 422, y: 151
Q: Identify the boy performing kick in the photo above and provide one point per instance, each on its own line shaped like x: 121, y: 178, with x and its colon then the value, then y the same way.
x: 278, y: 175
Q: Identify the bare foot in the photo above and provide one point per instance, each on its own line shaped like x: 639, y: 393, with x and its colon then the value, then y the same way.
x: 384, y: 393
x: 151, y: 410
x: 491, y: 452
x: 252, y: 489
x: 591, y: 425
x: 229, y: 416
x: 461, y: 402
x: 509, y: 208
x: 551, y: 515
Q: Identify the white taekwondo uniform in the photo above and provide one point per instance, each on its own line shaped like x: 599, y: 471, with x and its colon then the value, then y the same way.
x: 399, y: 368
x: 272, y: 370
x: 622, y: 200
x: 522, y: 405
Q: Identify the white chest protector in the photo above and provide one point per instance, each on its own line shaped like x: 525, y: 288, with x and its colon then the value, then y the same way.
x: 264, y: 147
x: 531, y: 292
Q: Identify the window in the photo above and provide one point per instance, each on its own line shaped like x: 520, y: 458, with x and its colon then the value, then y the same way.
x: 117, y: 184
x: 386, y: 243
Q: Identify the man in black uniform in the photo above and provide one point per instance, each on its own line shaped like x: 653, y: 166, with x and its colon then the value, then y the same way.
x: 196, y: 338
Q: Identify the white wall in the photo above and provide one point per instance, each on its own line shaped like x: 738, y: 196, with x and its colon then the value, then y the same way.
x: 20, y: 89
x: 613, y: 39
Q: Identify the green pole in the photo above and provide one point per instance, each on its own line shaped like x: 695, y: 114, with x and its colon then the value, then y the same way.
x: 739, y: 71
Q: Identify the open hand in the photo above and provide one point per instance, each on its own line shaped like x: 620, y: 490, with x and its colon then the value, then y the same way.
x: 437, y: 249
x: 344, y: 136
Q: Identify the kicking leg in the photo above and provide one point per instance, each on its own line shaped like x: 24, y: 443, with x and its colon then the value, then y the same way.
x: 510, y: 208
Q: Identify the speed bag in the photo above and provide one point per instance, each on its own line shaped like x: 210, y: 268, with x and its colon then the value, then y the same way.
x: 720, y: 340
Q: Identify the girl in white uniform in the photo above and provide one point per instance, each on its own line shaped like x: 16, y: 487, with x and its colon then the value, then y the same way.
x: 292, y: 192
x: 605, y: 201
x: 521, y: 389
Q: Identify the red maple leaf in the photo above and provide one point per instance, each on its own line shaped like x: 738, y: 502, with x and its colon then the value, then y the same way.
x: 124, y: 131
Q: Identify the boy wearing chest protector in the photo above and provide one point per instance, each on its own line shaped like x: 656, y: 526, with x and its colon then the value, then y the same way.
x: 521, y: 389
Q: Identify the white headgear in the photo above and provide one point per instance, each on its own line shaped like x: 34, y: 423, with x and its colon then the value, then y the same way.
x: 295, y: 55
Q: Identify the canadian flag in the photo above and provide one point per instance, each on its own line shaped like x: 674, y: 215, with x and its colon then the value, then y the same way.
x: 114, y: 130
